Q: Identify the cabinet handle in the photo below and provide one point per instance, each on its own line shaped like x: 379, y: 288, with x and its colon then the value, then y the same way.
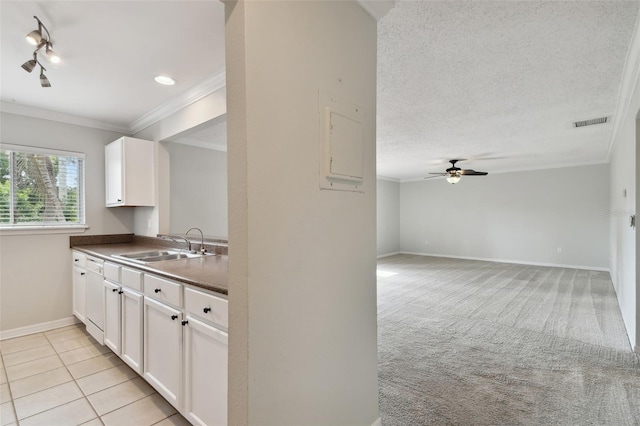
x: 119, y: 200
x: 185, y: 322
x: 207, y: 310
x: 114, y: 290
x: 120, y: 292
x: 174, y: 317
x: 157, y: 290
x: 82, y: 273
x: 76, y: 260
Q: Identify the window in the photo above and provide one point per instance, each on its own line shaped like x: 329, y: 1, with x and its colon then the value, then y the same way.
x: 40, y: 188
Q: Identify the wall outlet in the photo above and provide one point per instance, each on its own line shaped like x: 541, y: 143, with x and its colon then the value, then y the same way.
x: 148, y: 223
x: 426, y: 243
x: 559, y: 249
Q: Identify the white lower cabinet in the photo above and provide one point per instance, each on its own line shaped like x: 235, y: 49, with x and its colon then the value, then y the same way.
x: 163, y: 350
x: 131, y: 339
x: 205, y: 373
x: 112, y: 316
x: 79, y: 280
x: 172, y: 335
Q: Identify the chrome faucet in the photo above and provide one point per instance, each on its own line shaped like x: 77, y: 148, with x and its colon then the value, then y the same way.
x: 202, y: 249
x: 175, y: 237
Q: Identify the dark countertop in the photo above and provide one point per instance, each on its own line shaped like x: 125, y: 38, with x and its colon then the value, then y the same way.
x: 208, y: 272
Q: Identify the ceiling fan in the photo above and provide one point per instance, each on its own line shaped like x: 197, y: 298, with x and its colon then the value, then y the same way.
x: 454, y: 174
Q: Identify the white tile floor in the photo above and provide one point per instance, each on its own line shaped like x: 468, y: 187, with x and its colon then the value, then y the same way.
x: 64, y: 377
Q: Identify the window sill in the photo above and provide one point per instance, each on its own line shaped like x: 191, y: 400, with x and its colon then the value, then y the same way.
x: 43, y: 230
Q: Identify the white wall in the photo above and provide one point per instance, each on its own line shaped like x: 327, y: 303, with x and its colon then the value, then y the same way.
x: 200, y: 111
x: 519, y: 217
x: 388, y: 217
x: 198, y: 190
x: 35, y: 270
x: 622, y: 243
x: 302, y: 311
x: 624, y: 265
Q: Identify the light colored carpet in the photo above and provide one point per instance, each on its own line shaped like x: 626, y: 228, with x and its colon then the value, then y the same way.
x: 480, y: 343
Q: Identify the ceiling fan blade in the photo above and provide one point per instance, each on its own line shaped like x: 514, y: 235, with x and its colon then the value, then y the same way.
x: 439, y: 175
x: 470, y: 172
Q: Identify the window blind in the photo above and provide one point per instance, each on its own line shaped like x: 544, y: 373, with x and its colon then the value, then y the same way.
x: 40, y: 187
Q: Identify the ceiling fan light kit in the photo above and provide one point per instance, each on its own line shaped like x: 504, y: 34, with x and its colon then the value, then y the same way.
x: 453, y: 174
x: 37, y: 38
x: 454, y: 179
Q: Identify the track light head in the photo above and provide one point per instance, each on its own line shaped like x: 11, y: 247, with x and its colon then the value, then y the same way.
x: 51, y: 55
x: 44, y: 81
x: 29, y: 65
x: 35, y: 37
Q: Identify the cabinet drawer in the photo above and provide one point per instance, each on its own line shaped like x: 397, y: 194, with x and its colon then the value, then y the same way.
x: 207, y: 306
x: 131, y: 278
x: 163, y: 290
x: 112, y: 272
x: 79, y: 259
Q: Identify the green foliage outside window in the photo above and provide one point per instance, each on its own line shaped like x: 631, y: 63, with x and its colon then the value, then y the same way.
x: 40, y: 189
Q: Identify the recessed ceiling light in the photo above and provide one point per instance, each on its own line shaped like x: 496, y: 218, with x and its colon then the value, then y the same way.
x: 163, y: 79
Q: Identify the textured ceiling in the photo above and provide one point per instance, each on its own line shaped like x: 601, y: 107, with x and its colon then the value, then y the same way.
x: 480, y: 80
x: 455, y: 79
x: 111, y: 52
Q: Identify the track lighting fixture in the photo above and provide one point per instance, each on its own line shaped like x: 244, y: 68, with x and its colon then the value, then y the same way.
x: 41, y: 39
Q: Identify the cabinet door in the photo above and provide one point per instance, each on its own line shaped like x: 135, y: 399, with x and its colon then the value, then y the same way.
x: 162, y: 363
x: 113, y: 168
x: 112, y: 316
x: 132, y: 312
x: 206, y: 350
x: 79, y: 280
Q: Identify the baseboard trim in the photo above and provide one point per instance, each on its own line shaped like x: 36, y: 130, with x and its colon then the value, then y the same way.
x: 37, y: 328
x: 378, y: 422
x: 518, y: 262
x: 380, y: 256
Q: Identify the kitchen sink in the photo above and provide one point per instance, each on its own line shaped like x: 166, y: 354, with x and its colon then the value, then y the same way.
x: 142, y: 254
x: 159, y: 255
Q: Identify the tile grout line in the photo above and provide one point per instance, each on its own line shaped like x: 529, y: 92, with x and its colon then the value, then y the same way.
x: 13, y: 404
x: 74, y: 381
x: 53, y: 408
x: 140, y: 399
x: 57, y: 354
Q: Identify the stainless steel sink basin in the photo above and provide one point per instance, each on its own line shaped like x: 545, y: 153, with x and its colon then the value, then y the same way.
x: 173, y: 256
x: 144, y: 254
x: 159, y: 256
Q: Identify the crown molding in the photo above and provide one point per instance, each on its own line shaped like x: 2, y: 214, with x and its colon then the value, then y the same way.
x: 197, y: 92
x: 46, y: 114
x: 388, y: 179
x: 377, y: 8
x: 628, y: 85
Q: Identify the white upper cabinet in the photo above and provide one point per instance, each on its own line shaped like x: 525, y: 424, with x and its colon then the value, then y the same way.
x: 130, y: 174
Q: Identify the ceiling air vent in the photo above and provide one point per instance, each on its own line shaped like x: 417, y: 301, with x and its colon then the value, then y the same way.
x: 591, y: 122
